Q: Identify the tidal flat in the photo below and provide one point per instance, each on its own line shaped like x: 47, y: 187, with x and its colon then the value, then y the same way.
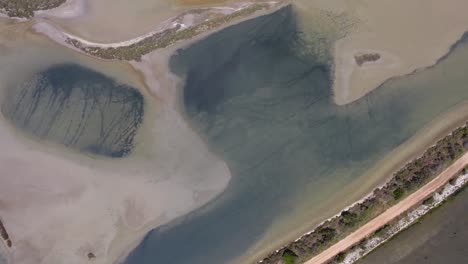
x: 262, y: 100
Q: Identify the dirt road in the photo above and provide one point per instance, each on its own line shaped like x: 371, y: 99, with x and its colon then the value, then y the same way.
x: 391, y: 213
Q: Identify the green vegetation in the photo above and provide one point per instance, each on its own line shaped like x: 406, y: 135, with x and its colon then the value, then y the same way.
x: 408, y: 179
x: 398, y: 193
x: 348, y: 218
x: 165, y: 38
x: 26, y: 8
x: 289, y: 257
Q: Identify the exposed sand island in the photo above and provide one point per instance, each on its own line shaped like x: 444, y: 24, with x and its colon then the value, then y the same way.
x: 408, y: 35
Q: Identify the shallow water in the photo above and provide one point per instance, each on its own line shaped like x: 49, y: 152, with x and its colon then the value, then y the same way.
x: 263, y: 104
x: 439, y: 237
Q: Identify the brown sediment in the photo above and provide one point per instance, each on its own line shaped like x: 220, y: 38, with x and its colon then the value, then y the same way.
x: 4, y: 234
x: 412, y: 178
x: 368, y: 57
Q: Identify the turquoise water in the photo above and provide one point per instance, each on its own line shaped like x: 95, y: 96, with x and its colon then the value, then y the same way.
x: 77, y: 107
x: 265, y: 106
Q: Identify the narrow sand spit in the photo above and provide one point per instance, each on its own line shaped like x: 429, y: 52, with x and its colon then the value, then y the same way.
x: 407, y: 34
x: 393, y: 212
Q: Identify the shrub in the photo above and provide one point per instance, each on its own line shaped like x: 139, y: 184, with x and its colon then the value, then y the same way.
x: 398, y: 193
x: 289, y: 257
x: 348, y: 218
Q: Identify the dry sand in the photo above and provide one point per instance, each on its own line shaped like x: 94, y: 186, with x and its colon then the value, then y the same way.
x: 408, y: 34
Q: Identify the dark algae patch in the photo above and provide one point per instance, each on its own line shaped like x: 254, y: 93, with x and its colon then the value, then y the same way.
x: 77, y: 107
x: 262, y: 100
